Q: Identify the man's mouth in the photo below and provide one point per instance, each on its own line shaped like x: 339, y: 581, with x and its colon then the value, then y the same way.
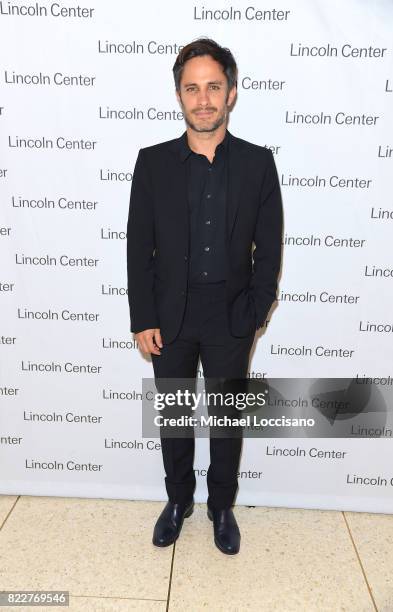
x: 204, y: 113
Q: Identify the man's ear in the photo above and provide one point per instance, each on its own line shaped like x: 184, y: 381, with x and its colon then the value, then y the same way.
x: 232, y: 95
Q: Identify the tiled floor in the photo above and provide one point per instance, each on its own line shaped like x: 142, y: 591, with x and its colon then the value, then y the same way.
x: 101, y: 552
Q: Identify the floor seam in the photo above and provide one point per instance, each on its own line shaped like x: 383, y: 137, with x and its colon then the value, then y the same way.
x: 170, y: 577
x: 360, y: 562
x: 9, y: 512
x: 117, y: 597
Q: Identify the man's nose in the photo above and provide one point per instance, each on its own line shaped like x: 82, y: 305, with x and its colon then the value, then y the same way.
x: 203, y: 97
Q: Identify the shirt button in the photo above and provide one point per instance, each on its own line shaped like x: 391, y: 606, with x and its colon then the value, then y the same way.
x: 207, y: 248
x: 209, y: 195
x: 204, y: 273
x: 183, y: 293
x: 185, y: 257
x: 208, y: 222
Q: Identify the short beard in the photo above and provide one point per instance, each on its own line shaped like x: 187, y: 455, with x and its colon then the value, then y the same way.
x: 214, y: 127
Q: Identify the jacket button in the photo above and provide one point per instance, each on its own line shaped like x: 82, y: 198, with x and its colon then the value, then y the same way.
x: 185, y: 257
x: 183, y: 293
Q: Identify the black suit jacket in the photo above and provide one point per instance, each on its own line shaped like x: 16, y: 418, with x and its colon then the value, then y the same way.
x: 158, y: 238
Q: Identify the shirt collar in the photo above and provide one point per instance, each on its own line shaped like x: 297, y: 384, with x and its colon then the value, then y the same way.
x: 185, y: 150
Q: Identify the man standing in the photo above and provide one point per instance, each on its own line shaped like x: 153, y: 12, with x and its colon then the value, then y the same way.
x: 196, y: 287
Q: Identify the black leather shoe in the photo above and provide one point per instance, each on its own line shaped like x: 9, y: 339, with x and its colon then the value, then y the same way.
x: 226, y: 530
x: 168, y: 526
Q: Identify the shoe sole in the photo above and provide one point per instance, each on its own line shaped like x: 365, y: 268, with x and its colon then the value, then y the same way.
x: 186, y: 515
x: 226, y: 552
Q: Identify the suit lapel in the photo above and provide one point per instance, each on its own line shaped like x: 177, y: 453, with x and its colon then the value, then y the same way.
x: 236, y: 173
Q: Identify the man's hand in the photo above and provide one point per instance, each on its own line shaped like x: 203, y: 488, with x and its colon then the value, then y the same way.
x: 150, y: 341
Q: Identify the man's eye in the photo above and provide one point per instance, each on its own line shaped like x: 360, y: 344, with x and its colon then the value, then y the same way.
x: 190, y: 89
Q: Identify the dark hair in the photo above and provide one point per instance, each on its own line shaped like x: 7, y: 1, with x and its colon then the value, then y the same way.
x: 206, y: 46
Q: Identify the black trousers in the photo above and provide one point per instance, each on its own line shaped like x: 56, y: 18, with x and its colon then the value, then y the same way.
x: 204, y: 333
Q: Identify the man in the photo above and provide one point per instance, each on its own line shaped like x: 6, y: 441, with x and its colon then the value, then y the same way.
x: 196, y: 287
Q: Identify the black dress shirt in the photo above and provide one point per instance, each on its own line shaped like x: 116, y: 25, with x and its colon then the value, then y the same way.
x: 207, y: 185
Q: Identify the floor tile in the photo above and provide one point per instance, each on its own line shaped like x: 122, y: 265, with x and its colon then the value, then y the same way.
x: 290, y: 560
x: 94, y: 604
x: 373, y: 538
x: 96, y: 547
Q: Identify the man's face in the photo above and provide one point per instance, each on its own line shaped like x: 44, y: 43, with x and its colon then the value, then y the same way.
x: 204, y: 96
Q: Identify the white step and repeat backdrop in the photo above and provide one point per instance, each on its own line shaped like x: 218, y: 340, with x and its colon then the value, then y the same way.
x: 83, y: 87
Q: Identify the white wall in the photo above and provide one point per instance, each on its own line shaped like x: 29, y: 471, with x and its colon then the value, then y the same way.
x: 338, y: 86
